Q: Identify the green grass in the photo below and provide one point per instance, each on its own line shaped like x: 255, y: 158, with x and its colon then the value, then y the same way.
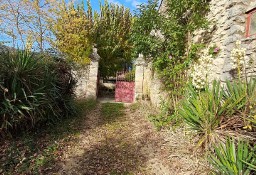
x: 35, y: 152
x: 84, y: 106
x: 134, y: 106
x: 112, y: 111
x: 160, y: 121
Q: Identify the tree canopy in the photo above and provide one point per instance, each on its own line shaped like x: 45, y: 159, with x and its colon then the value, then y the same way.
x: 113, y: 31
x: 71, y: 28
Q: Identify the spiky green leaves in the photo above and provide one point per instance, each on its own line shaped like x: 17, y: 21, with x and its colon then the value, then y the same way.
x: 234, y: 159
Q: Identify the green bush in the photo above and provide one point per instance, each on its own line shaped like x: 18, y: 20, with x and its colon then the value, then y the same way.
x: 130, y: 76
x: 164, y: 118
x: 215, y: 108
x: 239, y: 94
x: 240, y: 97
x: 33, y: 90
x: 232, y: 159
x: 202, y: 111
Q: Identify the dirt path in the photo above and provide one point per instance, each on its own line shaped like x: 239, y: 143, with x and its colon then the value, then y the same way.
x: 127, y: 145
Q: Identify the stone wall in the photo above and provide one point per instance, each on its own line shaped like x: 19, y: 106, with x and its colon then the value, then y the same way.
x: 147, y: 83
x: 87, y: 78
x: 228, y: 24
x: 82, y: 77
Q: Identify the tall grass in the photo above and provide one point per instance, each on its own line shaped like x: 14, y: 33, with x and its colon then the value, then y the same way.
x: 33, y: 90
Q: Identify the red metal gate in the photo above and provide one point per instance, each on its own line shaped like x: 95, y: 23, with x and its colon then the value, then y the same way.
x: 125, y: 85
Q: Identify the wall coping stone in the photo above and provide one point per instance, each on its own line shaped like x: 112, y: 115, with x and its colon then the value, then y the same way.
x: 251, y: 38
x: 251, y: 7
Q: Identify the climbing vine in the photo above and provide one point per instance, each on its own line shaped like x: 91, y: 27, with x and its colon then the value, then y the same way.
x: 166, y: 38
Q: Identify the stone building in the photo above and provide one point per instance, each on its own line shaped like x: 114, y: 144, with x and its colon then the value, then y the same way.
x: 230, y: 20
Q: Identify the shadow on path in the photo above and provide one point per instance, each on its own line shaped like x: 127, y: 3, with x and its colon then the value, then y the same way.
x: 110, y: 147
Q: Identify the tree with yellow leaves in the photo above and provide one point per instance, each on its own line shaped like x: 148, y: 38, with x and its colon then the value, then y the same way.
x: 25, y: 22
x: 73, y: 29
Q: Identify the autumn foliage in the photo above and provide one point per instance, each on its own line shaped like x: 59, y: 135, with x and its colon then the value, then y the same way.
x: 73, y: 29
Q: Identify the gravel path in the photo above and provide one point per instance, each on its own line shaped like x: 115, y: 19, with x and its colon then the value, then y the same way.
x: 129, y: 145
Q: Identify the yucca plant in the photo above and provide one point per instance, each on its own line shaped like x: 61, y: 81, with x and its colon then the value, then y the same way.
x: 20, y: 75
x: 240, y: 98
x: 238, y: 94
x: 252, y: 102
x: 233, y: 159
x: 203, y: 111
x: 33, y: 90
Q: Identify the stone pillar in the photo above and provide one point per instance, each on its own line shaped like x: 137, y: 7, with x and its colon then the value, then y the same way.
x: 139, y: 77
x: 88, y: 78
x: 92, y: 84
x: 82, y: 77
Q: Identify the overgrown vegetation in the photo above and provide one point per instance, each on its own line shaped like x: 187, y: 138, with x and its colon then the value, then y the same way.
x: 203, y: 112
x: 163, y: 118
x: 164, y: 39
x: 37, y: 90
x: 36, y: 152
x: 235, y: 159
x: 213, y: 109
x: 34, y: 90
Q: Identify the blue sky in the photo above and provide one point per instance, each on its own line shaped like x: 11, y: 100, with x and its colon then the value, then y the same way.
x: 127, y: 3
x: 132, y: 4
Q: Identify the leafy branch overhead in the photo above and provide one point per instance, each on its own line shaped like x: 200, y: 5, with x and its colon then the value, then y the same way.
x: 77, y: 31
x: 73, y: 29
x: 165, y: 38
x: 112, y: 37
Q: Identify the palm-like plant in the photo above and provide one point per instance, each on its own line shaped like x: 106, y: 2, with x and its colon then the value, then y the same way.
x: 20, y: 75
x: 202, y: 111
x: 232, y: 159
x: 33, y: 90
x: 238, y: 94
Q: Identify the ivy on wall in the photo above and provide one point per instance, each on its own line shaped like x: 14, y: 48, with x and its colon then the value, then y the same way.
x: 165, y: 38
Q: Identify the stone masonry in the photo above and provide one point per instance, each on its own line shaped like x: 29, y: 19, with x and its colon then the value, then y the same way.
x: 147, y: 83
x: 88, y: 78
x: 228, y: 24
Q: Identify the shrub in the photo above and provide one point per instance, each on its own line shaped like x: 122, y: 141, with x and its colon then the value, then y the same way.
x: 239, y: 94
x: 202, y: 111
x: 33, y: 90
x: 232, y: 159
x: 241, y: 99
x: 164, y: 117
x: 215, y: 109
x: 130, y: 76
